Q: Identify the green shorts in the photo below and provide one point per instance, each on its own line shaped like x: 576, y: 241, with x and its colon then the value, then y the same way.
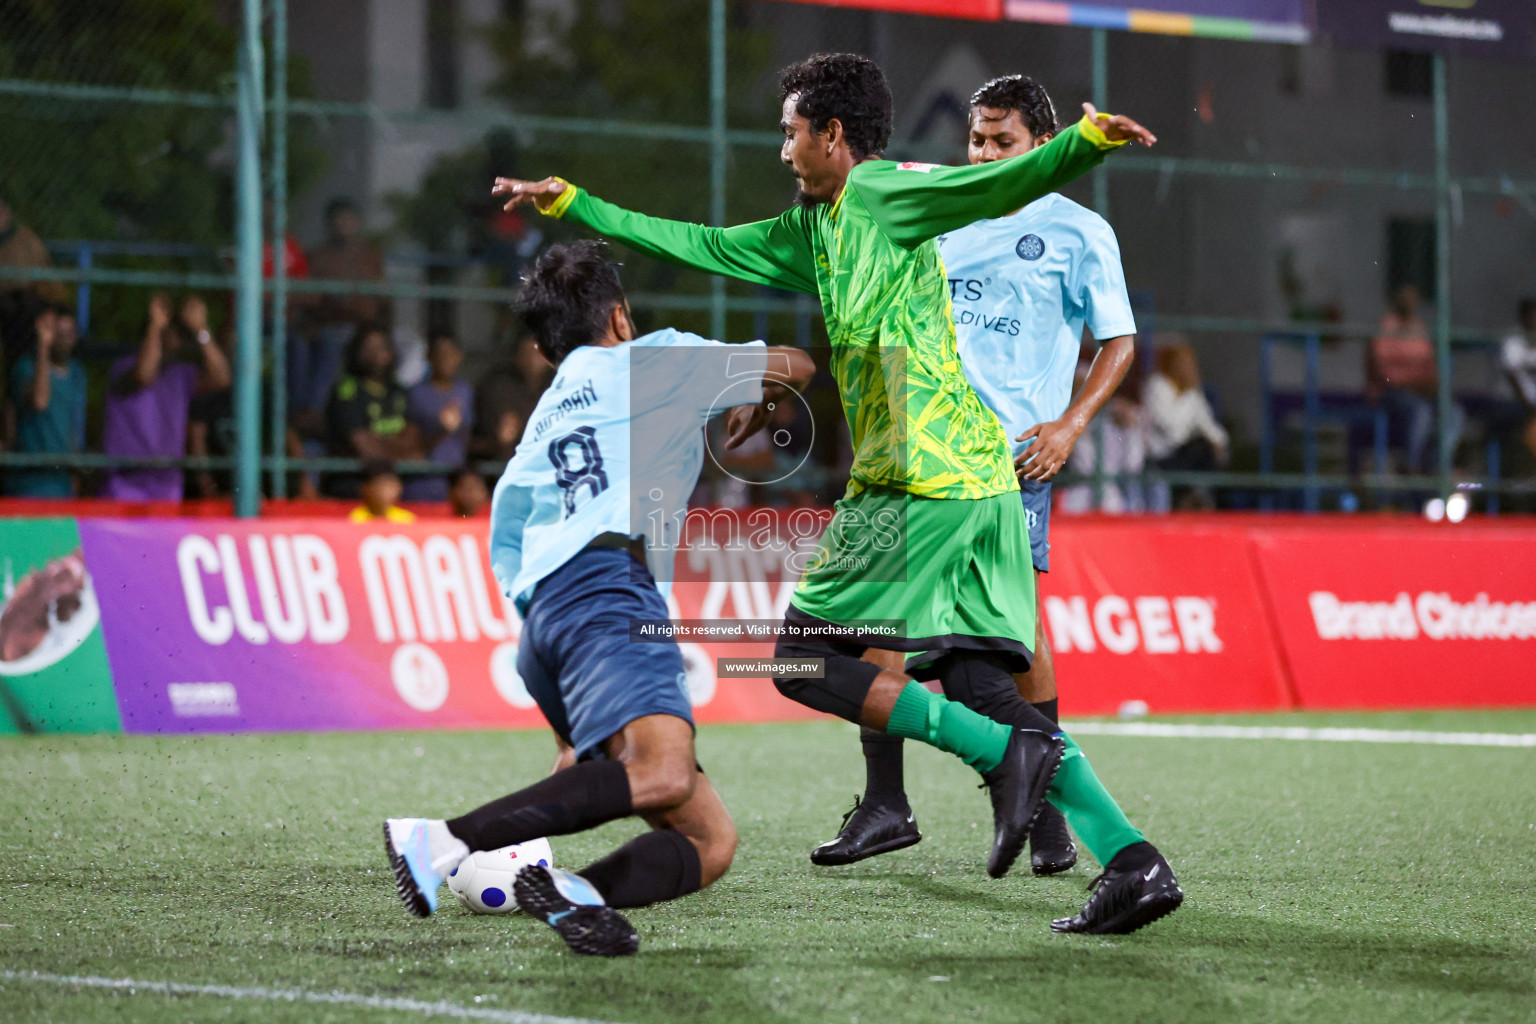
x: 926, y: 574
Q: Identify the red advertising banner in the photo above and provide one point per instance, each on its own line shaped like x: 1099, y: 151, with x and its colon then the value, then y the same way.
x: 1160, y: 611
x: 980, y: 10
x: 1403, y: 616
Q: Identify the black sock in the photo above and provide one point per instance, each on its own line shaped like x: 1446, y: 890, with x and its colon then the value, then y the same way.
x: 659, y: 865
x: 1132, y: 857
x: 582, y: 796
x: 883, y: 763
x: 1048, y: 709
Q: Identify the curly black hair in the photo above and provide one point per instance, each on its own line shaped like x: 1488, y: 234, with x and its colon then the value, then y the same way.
x: 567, y: 297
x: 847, y: 87
x: 354, y: 352
x: 1023, y: 94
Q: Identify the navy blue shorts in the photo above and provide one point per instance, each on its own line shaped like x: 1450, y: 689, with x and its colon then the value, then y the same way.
x: 576, y: 658
x: 1037, y: 511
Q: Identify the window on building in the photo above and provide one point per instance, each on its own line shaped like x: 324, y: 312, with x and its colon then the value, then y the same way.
x: 442, y: 54
x: 1410, y: 75
x: 1290, y: 70
x: 1411, y: 254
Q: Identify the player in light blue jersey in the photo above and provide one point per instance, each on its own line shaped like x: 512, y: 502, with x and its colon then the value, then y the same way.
x: 582, y: 528
x: 1023, y: 288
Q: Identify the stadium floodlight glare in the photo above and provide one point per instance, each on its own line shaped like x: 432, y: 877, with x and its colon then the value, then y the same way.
x: 1456, y: 507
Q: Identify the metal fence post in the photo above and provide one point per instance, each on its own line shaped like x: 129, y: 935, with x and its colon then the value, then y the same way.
x: 279, y: 187
x: 1100, y: 61
x: 718, y: 154
x: 83, y: 294
x: 1314, y: 406
x: 247, y: 362
x: 1443, y: 276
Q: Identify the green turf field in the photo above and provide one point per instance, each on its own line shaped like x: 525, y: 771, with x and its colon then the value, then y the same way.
x: 1325, y: 881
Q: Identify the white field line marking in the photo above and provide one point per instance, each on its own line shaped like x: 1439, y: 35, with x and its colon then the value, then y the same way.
x: 294, y: 995
x: 1169, y: 730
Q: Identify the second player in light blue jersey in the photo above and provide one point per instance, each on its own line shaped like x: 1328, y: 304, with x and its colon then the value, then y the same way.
x: 1023, y: 288
x: 581, y: 529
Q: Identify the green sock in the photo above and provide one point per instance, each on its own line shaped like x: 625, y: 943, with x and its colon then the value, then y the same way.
x: 1091, y: 811
x: 953, y: 728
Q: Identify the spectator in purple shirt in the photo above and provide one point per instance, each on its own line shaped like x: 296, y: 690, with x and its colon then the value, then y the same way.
x: 150, y: 395
x: 443, y: 409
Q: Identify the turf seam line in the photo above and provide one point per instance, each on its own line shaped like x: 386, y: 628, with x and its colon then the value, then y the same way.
x: 1169, y: 730
x: 439, y: 1008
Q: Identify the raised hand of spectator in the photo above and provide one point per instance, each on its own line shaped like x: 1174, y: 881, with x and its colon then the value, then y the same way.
x: 46, y: 326
x: 216, y: 375
x: 146, y: 366
x: 159, y: 312
x: 451, y: 418
x: 194, y: 316
x: 507, y: 428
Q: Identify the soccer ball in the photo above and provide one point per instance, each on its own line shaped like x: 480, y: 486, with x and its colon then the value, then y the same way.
x: 483, y: 880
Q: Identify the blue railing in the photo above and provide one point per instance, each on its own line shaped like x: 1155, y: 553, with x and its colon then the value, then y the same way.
x: 1353, y: 410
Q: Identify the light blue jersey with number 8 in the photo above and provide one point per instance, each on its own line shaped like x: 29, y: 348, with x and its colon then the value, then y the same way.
x: 615, y: 445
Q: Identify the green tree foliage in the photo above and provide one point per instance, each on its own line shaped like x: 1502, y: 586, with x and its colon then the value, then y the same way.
x: 640, y: 61
x: 109, y: 169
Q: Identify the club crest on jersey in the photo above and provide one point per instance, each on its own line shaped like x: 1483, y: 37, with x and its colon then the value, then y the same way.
x: 913, y: 165
x: 1030, y: 247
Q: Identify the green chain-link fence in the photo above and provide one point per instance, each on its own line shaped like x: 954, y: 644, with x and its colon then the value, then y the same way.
x: 121, y: 150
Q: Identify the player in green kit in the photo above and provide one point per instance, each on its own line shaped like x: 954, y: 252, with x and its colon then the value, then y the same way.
x: 931, y: 535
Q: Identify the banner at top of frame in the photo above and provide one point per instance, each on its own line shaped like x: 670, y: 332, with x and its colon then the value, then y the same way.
x: 1283, y: 21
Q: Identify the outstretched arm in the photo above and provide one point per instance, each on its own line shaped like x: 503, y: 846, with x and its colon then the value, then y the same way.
x: 912, y: 203
x: 772, y: 252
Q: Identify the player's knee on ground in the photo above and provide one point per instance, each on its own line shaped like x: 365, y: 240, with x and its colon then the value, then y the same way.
x: 707, y: 826
x: 659, y: 762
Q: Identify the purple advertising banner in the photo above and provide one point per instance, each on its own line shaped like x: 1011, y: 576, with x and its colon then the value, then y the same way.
x: 230, y: 625
x: 1490, y: 28
x: 224, y: 625
x: 1292, y: 11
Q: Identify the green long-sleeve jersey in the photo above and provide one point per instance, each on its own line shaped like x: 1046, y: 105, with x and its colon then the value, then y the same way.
x: 915, y: 421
